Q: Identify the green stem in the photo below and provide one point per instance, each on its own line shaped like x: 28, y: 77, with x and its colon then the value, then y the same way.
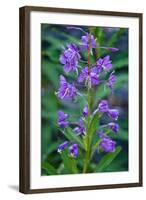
x: 87, y: 160
x: 89, y: 103
x: 88, y: 150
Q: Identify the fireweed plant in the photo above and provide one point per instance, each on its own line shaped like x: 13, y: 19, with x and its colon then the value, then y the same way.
x: 86, y: 138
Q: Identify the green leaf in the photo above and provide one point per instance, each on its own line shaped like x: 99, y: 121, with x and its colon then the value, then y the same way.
x: 69, y: 162
x: 115, y: 37
x: 120, y: 63
x: 49, y: 168
x: 122, y: 135
x: 103, y: 92
x: 107, y: 159
x: 92, y: 127
x: 95, y: 145
x: 70, y: 135
x: 94, y: 123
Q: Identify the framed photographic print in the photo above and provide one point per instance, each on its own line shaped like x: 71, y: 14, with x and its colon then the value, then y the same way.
x: 80, y: 99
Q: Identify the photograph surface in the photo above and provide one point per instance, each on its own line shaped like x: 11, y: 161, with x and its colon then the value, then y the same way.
x: 84, y: 99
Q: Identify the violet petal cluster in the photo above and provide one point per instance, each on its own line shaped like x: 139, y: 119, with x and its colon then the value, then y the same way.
x: 62, y: 146
x: 111, y: 80
x: 62, y: 119
x: 88, y: 41
x: 103, y: 107
x: 85, y: 111
x: 90, y: 75
x: 80, y: 128
x: 66, y: 91
x: 113, y: 126
x: 104, y: 64
x: 113, y: 113
x: 70, y: 57
x: 113, y: 49
x: 107, y: 144
x: 74, y: 150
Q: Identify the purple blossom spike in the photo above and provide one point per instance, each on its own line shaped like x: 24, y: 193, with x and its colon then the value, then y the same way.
x: 74, y: 150
x: 113, y: 113
x: 70, y: 57
x: 85, y: 111
x: 88, y: 40
x: 89, y: 75
x: 66, y: 91
x: 113, y: 126
x: 107, y: 144
x: 62, y: 146
x: 111, y: 80
x: 113, y: 49
x: 103, y: 106
x: 80, y: 128
x: 62, y: 119
x: 104, y: 64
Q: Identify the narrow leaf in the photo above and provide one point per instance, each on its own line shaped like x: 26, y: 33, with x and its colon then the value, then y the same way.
x: 107, y: 159
x: 121, y: 63
x: 93, y: 125
x: 69, y: 162
x: 70, y: 135
x: 49, y: 168
x: 95, y: 146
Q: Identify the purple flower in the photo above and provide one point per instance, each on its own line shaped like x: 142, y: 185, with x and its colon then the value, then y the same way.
x: 74, y: 150
x: 80, y: 128
x: 62, y: 146
x: 111, y: 80
x: 107, y: 144
x: 94, y: 78
x: 113, y: 126
x: 88, y: 41
x: 62, y: 119
x: 70, y: 58
x: 112, y: 49
x: 66, y: 91
x: 83, y: 75
x: 113, y: 113
x: 104, y: 64
x: 103, y: 106
x: 89, y: 75
x: 101, y: 133
x: 85, y: 111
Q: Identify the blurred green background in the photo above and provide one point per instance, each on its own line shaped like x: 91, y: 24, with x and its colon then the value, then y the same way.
x: 53, y: 39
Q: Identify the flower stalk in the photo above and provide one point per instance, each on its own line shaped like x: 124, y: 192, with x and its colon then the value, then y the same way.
x: 82, y: 132
x: 88, y: 138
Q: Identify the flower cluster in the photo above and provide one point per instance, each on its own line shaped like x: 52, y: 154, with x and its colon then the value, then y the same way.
x: 103, y: 107
x: 87, y: 41
x: 62, y: 119
x: 70, y: 58
x: 66, y: 91
x: 91, y: 75
x: 73, y: 149
x: 80, y: 129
